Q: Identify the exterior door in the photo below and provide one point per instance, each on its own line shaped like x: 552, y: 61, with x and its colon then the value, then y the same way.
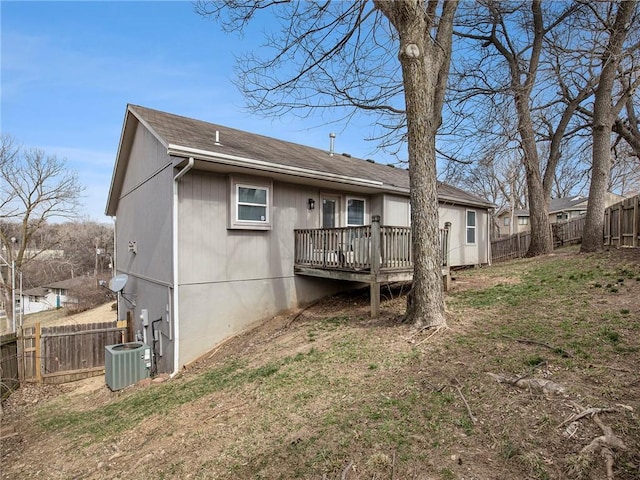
x: 330, y: 218
x: 330, y: 211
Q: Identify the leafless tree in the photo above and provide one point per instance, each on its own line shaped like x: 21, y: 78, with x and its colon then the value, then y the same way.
x: 628, y: 127
x: 618, y: 18
x: 344, y: 55
x: 505, y: 69
x: 34, y: 189
x: 497, y: 176
x: 87, y: 245
x: 581, y: 60
x: 625, y: 170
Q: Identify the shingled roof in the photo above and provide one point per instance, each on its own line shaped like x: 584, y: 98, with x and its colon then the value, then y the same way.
x: 568, y: 203
x: 206, y: 141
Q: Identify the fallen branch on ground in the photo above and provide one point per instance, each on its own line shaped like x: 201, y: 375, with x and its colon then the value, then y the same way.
x: 433, y: 387
x: 559, y: 350
x: 538, y: 384
x: 417, y: 332
x: 611, y: 367
x: 393, y: 466
x: 590, y: 412
x: 345, y: 472
x: 466, y: 404
x: 606, y: 443
x: 437, y: 330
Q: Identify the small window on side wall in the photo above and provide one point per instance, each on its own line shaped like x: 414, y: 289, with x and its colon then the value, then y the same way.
x: 471, y: 226
x: 250, y: 204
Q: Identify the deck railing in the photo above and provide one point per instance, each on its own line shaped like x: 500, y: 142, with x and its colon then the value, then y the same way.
x: 350, y: 248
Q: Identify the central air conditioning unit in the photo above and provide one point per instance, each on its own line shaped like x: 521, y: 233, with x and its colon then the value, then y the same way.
x: 126, y: 364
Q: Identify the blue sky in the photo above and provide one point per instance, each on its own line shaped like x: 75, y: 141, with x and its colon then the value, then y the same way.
x: 68, y: 70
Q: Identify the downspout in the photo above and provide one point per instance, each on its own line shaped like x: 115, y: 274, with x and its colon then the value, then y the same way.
x: 176, y: 276
x: 114, y: 258
x: 489, y: 230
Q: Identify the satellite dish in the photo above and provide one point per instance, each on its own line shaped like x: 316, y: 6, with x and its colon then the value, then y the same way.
x: 117, y: 283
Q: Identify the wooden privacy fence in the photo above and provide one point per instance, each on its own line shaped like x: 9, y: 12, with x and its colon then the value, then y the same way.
x: 9, y: 379
x: 65, y: 353
x: 622, y: 223
x: 567, y: 232
x: 621, y: 229
x: 514, y: 246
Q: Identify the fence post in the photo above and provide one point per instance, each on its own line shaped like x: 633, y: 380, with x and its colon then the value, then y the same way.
x: 20, y: 353
x: 374, y: 286
x: 620, y: 213
x: 38, y: 352
x: 635, y: 220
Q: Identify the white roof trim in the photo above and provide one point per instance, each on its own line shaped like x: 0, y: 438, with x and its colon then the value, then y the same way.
x: 267, y: 166
x: 148, y: 127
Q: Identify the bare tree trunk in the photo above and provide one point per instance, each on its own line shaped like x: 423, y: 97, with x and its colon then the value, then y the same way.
x: 420, y: 56
x: 593, y: 236
x: 335, y: 44
x: 541, y: 239
x: 604, y: 115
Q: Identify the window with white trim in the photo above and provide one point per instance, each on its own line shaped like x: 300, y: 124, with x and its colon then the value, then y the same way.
x: 523, y: 220
x: 355, y: 211
x: 250, y: 204
x: 471, y: 226
x: 507, y: 221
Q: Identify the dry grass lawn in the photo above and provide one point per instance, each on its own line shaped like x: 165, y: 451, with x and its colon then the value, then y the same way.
x: 333, y: 394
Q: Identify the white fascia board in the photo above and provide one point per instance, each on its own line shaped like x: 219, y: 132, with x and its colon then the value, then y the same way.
x: 149, y: 127
x: 223, y: 158
x: 458, y: 201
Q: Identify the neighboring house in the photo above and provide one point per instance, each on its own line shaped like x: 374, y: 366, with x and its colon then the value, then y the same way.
x: 52, y: 295
x: 35, y: 252
x: 213, y: 223
x: 560, y: 210
x: 511, y: 223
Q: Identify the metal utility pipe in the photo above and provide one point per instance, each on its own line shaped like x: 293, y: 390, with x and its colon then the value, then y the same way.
x: 176, y: 275
x: 13, y: 293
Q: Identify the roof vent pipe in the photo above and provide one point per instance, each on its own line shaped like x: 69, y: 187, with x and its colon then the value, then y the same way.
x: 332, y: 138
x: 217, y: 138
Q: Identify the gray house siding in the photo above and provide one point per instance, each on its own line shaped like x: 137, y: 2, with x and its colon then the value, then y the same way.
x: 460, y: 251
x: 144, y: 217
x: 230, y: 279
x: 211, y: 275
x: 397, y: 212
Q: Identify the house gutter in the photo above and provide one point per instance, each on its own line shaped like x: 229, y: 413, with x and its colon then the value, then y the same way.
x: 176, y: 276
x: 233, y: 160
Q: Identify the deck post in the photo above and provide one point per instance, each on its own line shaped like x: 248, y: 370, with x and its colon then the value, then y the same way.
x: 446, y: 269
x: 374, y: 286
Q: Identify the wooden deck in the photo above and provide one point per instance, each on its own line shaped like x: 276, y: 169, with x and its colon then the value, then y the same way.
x: 374, y: 254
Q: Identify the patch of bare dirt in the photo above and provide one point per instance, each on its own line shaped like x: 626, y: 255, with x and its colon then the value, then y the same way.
x: 472, y: 280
